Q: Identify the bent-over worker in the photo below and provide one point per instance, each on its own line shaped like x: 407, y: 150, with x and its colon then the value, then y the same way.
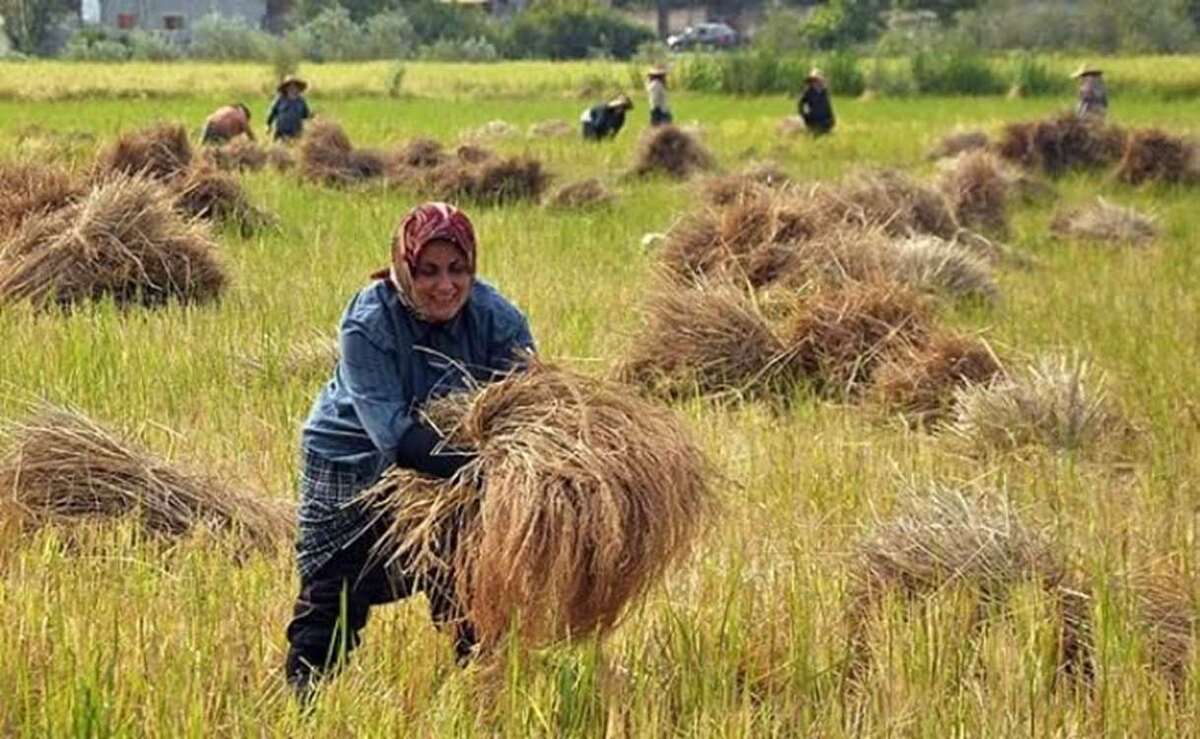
x: 421, y: 329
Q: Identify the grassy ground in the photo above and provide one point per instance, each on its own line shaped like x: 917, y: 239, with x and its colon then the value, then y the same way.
x: 1174, y: 77
x: 106, y: 635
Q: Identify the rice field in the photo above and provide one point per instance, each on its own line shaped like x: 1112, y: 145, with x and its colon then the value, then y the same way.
x: 108, y: 632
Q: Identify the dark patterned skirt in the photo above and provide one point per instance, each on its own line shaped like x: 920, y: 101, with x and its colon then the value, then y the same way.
x: 331, y: 516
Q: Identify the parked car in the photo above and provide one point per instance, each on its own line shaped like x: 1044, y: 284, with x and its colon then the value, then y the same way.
x: 719, y: 35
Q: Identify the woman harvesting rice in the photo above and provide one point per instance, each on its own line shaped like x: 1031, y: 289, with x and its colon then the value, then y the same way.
x: 423, y: 328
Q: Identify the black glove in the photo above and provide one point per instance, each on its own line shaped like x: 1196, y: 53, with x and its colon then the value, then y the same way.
x: 416, y: 452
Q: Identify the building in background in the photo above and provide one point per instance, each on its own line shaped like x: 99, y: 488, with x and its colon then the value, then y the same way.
x: 176, y: 15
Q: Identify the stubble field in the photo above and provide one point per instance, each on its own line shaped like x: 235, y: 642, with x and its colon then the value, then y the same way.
x: 107, y: 634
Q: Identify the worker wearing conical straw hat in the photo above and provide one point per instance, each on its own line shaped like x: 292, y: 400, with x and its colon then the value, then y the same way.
x: 815, y: 107
x: 605, y: 120
x: 656, y: 88
x: 289, y: 110
x: 424, y: 326
x: 1093, y: 95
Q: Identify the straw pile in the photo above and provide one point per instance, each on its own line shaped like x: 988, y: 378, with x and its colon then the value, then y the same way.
x: 750, y: 240
x: 1156, y: 156
x: 712, y: 339
x: 421, y: 153
x: 945, y: 538
x: 977, y: 189
x: 590, y: 193
x: 280, y: 158
x: 957, y: 143
x: 837, y: 338
x: 59, y: 467
x: 1107, y: 222
x: 239, y: 155
x: 473, y: 154
x: 328, y: 157
x: 1166, y: 608
x: 28, y: 189
x: 887, y: 199
x: 210, y: 194
x: 1057, y: 403
x: 671, y: 151
x: 123, y: 240
x: 753, y: 182
x: 1059, y: 144
x: 581, y: 498
x: 934, y: 265
x: 494, y: 181
x: 161, y: 152
x: 920, y: 382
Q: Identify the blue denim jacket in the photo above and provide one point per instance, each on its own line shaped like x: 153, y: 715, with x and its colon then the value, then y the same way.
x: 392, y: 362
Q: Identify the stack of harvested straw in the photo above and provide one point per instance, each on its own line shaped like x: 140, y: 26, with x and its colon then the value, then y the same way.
x: 58, y: 467
x: 921, y: 382
x: 977, y: 188
x: 123, y: 240
x: 1106, y: 222
x: 1057, y: 403
x: 29, y: 189
x: 886, y: 199
x: 240, y: 155
x: 161, y: 152
x: 946, y: 538
x: 492, y: 181
x: 328, y: 157
x: 711, y: 339
x: 208, y: 193
x: 580, y: 499
x: 671, y: 151
x: 1165, y: 608
x: 589, y: 193
x: 1156, y: 156
x: 1063, y: 143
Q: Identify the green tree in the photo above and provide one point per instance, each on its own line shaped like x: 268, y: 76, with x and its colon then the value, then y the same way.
x: 27, y: 22
x: 841, y: 22
x: 359, y: 10
x: 945, y: 9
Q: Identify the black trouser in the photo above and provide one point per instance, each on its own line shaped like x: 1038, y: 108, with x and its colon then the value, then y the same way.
x: 335, y: 601
x: 659, y: 117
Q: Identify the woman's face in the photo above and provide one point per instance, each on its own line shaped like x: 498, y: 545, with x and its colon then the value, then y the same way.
x: 441, y: 281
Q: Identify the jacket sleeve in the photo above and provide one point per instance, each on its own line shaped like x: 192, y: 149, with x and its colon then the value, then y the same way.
x: 376, y: 389
x: 273, y: 113
x: 306, y: 113
x: 375, y: 385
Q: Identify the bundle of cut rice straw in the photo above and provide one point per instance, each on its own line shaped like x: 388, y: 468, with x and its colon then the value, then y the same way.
x: 581, y: 497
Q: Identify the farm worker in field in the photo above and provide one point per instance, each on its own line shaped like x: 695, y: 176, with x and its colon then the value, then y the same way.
x: 606, y: 119
x: 815, y: 107
x: 422, y: 328
x: 226, y: 123
x: 656, y: 87
x: 290, y: 110
x: 1093, y: 96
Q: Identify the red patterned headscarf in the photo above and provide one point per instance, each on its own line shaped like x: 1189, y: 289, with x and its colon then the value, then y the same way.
x: 422, y: 226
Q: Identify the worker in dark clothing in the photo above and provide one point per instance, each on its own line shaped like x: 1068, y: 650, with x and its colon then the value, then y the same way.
x: 290, y: 110
x: 815, y: 106
x: 606, y: 119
